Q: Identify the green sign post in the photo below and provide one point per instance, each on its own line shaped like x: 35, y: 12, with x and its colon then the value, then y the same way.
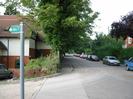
x: 18, y: 29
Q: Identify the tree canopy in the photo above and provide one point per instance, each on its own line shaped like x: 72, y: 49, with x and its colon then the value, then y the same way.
x: 11, y: 7
x: 65, y: 22
x: 124, y: 27
x: 84, y: 46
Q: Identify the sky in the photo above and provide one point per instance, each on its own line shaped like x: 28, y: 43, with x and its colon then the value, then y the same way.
x: 110, y: 11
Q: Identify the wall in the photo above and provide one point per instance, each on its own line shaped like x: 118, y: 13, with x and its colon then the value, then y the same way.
x: 10, y: 61
x: 13, y: 46
x: 42, y: 45
x: 32, y: 51
x: 10, y: 56
x: 43, y: 49
x: 32, y: 43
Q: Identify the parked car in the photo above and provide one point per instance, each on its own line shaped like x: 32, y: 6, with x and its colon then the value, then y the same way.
x: 4, y: 72
x: 129, y: 63
x: 111, y: 60
x: 93, y: 58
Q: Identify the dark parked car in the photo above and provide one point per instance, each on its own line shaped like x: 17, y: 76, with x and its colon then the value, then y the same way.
x: 111, y: 60
x: 4, y: 72
x: 129, y: 63
x: 93, y: 58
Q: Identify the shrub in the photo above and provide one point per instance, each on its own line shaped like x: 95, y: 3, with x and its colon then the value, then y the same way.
x: 106, y: 45
x: 46, y: 65
x: 126, y: 53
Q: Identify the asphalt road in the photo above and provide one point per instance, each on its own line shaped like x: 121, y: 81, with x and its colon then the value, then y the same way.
x: 82, y: 79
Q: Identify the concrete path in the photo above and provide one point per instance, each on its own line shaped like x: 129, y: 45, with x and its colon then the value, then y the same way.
x: 64, y: 87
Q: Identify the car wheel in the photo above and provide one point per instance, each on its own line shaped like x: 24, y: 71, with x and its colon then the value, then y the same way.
x: 11, y: 75
x: 118, y: 65
x: 108, y: 63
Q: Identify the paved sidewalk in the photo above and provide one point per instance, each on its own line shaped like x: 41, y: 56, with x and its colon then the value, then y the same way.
x: 67, y: 86
x: 12, y: 91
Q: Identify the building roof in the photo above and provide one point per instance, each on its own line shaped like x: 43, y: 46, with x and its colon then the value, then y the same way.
x: 6, y: 21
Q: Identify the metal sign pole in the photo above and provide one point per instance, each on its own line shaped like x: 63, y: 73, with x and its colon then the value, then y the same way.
x: 21, y: 61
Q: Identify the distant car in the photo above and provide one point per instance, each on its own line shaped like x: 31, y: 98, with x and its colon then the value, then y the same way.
x: 84, y: 56
x: 93, y: 58
x: 129, y: 63
x: 4, y: 72
x: 111, y: 60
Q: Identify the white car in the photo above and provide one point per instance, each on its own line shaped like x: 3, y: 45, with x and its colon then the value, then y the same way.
x: 111, y: 60
x: 84, y: 56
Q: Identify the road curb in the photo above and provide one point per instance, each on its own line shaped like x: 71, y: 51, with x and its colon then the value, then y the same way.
x: 15, y: 81
x: 12, y: 81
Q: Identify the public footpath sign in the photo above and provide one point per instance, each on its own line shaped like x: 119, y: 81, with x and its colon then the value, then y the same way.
x: 15, y: 29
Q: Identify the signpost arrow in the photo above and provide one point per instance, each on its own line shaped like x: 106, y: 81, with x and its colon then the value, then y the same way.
x: 14, y: 29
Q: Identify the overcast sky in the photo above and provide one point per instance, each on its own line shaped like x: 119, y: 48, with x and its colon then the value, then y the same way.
x: 110, y: 11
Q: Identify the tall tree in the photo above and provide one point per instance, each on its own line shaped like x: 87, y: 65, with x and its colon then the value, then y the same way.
x: 118, y: 29
x: 64, y: 21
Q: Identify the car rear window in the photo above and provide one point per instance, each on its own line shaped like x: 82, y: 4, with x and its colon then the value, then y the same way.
x: 113, y: 58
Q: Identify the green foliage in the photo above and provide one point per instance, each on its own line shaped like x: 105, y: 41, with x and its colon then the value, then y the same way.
x: 64, y: 21
x: 48, y: 64
x: 11, y: 10
x: 106, y: 45
x: 88, y: 50
x: 11, y: 7
x: 48, y: 18
x: 28, y: 3
x: 84, y: 45
x: 127, y: 53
